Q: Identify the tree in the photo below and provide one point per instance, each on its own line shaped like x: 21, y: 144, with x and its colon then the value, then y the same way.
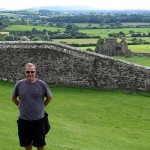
x: 100, y: 41
x: 46, y: 37
x: 9, y: 37
x: 34, y: 30
x: 71, y: 28
x: 45, y: 31
x: 122, y: 34
x: 131, y: 32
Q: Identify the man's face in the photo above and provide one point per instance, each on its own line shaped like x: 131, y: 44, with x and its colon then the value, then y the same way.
x: 30, y: 73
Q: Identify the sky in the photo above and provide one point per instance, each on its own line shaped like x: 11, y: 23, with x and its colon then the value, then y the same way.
x: 101, y: 4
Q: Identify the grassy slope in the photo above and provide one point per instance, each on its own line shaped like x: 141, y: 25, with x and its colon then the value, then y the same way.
x: 84, y: 119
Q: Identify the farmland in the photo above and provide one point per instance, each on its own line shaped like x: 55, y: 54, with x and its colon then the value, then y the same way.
x: 78, y: 41
x: 50, y: 25
x: 103, y: 33
x: 29, y: 28
x: 97, y: 32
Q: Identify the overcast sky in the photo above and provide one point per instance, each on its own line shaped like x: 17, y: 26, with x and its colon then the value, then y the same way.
x: 102, y: 4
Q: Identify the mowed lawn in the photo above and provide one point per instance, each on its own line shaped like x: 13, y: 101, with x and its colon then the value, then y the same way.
x: 84, y: 119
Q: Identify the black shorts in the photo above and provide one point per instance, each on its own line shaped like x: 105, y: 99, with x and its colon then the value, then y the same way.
x: 31, y: 132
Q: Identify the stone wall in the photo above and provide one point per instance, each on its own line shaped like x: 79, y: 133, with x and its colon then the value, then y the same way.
x: 58, y: 64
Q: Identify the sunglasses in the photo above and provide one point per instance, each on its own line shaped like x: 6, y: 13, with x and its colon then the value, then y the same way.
x: 30, y: 72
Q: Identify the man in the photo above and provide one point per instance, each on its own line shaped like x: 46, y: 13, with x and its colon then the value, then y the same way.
x: 31, y: 95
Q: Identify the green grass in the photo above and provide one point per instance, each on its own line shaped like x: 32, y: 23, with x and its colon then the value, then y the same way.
x: 104, y: 32
x: 29, y: 28
x: 98, y: 32
x: 84, y: 119
x: 86, y: 47
x: 144, y: 61
x: 140, y: 48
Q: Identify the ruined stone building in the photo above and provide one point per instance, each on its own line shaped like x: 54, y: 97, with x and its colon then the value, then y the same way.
x: 111, y: 47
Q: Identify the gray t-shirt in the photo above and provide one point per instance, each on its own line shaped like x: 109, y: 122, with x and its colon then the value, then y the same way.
x: 31, y: 98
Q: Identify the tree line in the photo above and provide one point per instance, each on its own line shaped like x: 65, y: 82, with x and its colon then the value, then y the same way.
x: 61, y: 18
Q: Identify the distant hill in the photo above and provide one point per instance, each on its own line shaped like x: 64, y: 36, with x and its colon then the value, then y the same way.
x: 3, y: 9
x: 63, y: 8
x: 60, y: 8
x: 56, y: 8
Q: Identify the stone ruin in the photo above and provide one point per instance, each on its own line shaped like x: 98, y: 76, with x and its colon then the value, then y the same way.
x: 111, y: 47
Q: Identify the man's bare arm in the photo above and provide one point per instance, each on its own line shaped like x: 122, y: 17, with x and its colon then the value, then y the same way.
x: 47, y: 100
x: 15, y: 100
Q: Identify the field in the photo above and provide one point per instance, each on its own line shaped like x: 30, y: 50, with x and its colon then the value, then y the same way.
x: 85, y: 119
x: 104, y: 32
x: 134, y: 24
x: 4, y: 33
x: 29, y: 28
x: 77, y: 41
x: 128, y: 24
x: 143, y: 48
x: 144, y: 61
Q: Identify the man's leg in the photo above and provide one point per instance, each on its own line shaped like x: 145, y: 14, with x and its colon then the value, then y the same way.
x: 39, y: 134
x: 25, y: 134
x: 29, y: 147
x: 40, y: 148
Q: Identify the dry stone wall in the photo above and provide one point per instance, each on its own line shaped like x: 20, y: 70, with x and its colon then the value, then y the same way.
x: 59, y: 64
